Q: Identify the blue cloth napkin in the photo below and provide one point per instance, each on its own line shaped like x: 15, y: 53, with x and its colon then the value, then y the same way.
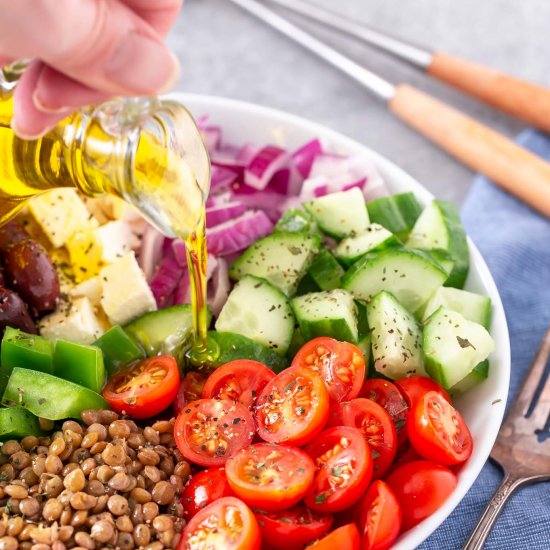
x: 515, y: 242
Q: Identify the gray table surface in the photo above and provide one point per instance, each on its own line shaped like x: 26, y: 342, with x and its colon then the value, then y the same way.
x: 226, y: 52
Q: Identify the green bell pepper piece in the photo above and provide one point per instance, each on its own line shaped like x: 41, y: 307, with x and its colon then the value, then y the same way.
x: 118, y: 349
x: 80, y: 364
x: 16, y: 423
x: 48, y: 396
x: 27, y: 351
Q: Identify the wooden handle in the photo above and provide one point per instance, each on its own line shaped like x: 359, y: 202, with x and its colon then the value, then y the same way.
x: 513, y: 168
x: 516, y: 97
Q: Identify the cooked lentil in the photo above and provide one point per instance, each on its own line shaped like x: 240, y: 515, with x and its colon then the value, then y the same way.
x: 104, y: 483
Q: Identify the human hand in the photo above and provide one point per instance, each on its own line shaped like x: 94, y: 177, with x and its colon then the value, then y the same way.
x: 84, y: 52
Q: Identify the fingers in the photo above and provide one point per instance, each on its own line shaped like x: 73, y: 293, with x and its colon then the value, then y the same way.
x: 160, y: 14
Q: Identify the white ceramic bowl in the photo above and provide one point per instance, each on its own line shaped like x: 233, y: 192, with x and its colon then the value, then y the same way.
x: 483, y: 406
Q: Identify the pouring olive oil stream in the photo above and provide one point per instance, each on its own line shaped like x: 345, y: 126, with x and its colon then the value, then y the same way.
x: 146, y: 151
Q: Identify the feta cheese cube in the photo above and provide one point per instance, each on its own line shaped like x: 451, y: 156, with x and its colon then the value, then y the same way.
x: 126, y: 294
x: 75, y: 321
x: 61, y: 213
x: 116, y: 239
x: 91, y: 289
x: 85, y: 255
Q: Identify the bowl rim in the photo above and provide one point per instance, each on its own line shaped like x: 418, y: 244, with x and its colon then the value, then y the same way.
x: 471, y: 470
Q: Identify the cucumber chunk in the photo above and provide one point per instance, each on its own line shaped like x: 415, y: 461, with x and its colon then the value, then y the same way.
x: 349, y: 250
x: 439, y: 226
x: 282, y: 259
x: 166, y: 331
x: 397, y: 213
x: 340, y: 214
x: 453, y: 346
x: 410, y: 275
x: 232, y: 346
x: 329, y: 313
x: 478, y: 375
x: 326, y: 271
x: 365, y: 344
x: 260, y: 311
x: 473, y: 307
x: 297, y: 221
x: 396, y: 338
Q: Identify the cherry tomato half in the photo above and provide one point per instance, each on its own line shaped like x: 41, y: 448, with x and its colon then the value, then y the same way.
x: 421, y: 487
x: 438, y: 432
x: 270, y: 477
x: 293, y: 407
x: 340, y: 364
x: 376, y: 426
x: 344, y: 464
x: 416, y: 386
x: 388, y: 396
x: 190, y: 390
x: 241, y: 380
x: 346, y: 537
x: 145, y: 388
x: 379, y: 517
x: 209, y: 431
x: 227, y: 523
x: 292, y: 529
x: 204, y: 488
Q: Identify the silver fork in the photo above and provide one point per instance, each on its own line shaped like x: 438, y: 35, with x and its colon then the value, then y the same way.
x: 523, y: 458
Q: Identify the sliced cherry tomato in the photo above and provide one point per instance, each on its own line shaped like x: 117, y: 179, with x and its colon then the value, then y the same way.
x: 407, y: 454
x: 293, y: 407
x: 270, y: 477
x: 204, y: 488
x: 242, y: 380
x: 227, y: 523
x: 416, y: 386
x: 438, y: 432
x: 190, y: 390
x: 340, y: 364
x: 379, y: 517
x: 421, y: 487
x: 209, y: 431
x: 344, y: 464
x: 388, y: 396
x: 292, y: 529
x: 346, y: 537
x: 375, y: 425
x: 145, y: 388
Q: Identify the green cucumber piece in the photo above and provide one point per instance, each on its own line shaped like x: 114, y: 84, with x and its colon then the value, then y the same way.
x: 365, y: 344
x: 330, y: 313
x: 48, y: 396
x: 16, y: 423
x: 307, y: 284
x: 167, y: 331
x: 296, y: 343
x: 376, y: 237
x: 362, y: 319
x: 478, y: 375
x: 410, y: 275
x: 453, y: 346
x: 326, y: 271
x: 297, y: 221
x: 80, y: 364
x: 439, y: 226
x: 396, y: 338
x: 118, y: 349
x: 281, y: 258
x: 441, y: 257
x: 27, y: 351
x: 397, y: 213
x: 474, y: 307
x: 258, y: 310
x: 231, y: 347
x: 340, y: 214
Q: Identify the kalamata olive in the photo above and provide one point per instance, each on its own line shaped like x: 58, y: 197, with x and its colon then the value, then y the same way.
x: 14, y: 312
x: 32, y: 273
x: 11, y: 233
x: 2, y: 277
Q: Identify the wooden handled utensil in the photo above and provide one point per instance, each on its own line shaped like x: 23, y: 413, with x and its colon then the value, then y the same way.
x: 513, y: 168
x: 521, y: 99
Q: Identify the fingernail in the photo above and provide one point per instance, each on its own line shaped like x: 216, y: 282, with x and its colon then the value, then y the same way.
x: 39, y: 104
x: 143, y: 65
x: 26, y: 135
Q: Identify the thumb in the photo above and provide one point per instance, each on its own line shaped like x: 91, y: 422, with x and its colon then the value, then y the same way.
x: 103, y: 44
